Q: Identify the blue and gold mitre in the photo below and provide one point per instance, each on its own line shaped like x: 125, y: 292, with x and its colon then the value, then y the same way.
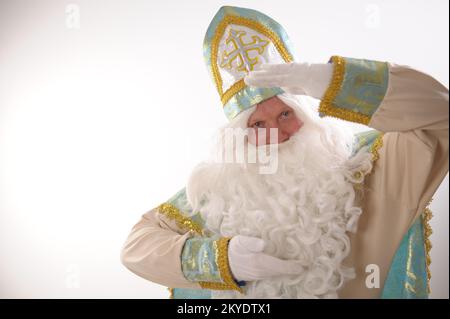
x: 239, y: 40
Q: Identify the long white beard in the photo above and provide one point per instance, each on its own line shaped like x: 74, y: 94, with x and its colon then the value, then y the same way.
x: 302, y: 211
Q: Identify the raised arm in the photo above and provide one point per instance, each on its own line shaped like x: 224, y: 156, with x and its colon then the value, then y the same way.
x: 410, y: 106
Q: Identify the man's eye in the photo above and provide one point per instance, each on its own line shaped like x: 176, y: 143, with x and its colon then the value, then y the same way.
x: 285, y: 114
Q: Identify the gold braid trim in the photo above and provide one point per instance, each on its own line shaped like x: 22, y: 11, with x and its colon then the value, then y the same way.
x: 182, y: 221
x: 236, y: 87
x: 326, y: 105
x: 173, y: 213
x: 377, y: 144
x: 427, y: 233
x: 221, y: 246
x: 376, y: 147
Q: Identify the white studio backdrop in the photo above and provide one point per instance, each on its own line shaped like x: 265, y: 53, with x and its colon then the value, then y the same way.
x: 106, y: 106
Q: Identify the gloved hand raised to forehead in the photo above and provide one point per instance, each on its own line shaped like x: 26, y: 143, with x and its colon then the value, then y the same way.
x: 249, y: 263
x: 296, y: 78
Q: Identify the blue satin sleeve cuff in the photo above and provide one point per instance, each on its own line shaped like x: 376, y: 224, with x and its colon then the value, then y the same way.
x: 205, y: 260
x: 356, y: 90
x: 199, y: 260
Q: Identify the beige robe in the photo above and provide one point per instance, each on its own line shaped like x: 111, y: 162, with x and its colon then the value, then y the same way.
x: 413, y: 161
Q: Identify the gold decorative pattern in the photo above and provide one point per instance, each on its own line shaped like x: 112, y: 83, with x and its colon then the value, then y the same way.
x: 377, y: 144
x: 183, y: 222
x: 409, y: 271
x: 215, y: 47
x: 236, y: 87
x: 240, y: 53
x: 326, y: 105
x: 221, y: 246
x: 376, y: 147
x: 358, y: 175
x: 427, y: 233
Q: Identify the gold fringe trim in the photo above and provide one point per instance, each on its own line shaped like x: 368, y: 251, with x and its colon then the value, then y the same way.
x: 278, y: 43
x: 224, y: 269
x: 427, y: 233
x: 326, y: 105
x: 182, y: 221
x: 377, y: 144
x: 376, y: 147
x: 360, y: 175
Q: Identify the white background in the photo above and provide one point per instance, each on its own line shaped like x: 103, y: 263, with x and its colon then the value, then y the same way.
x: 103, y: 118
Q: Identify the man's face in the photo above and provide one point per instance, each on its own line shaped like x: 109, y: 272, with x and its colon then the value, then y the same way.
x: 273, y: 113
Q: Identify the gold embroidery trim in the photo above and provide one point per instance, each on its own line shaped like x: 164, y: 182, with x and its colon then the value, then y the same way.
x: 376, y: 147
x: 409, y: 272
x: 225, y: 97
x: 221, y: 246
x: 377, y: 144
x: 183, y: 222
x: 326, y: 105
x: 236, y: 87
x: 427, y: 233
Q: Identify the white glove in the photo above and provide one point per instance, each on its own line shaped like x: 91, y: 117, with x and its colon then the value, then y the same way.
x: 248, y: 262
x: 296, y: 78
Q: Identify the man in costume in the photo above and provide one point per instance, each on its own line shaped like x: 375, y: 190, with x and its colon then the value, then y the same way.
x: 341, y: 216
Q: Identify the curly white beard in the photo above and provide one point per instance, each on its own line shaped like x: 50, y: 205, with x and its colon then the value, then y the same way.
x: 302, y: 211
